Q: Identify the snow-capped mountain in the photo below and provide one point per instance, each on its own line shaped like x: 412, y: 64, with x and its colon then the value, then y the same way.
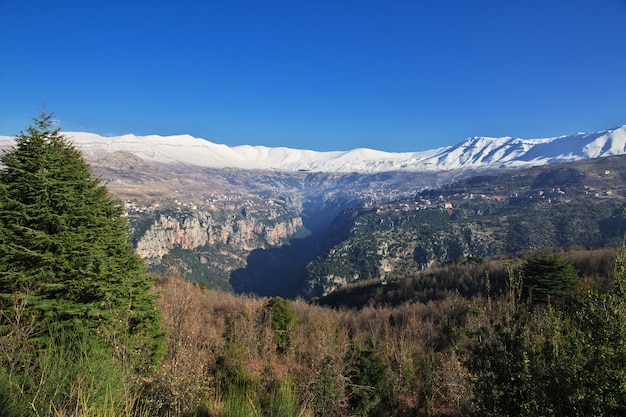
x: 476, y: 152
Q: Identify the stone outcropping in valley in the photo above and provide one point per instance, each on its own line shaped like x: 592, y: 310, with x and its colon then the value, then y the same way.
x: 199, y: 228
x: 209, y: 245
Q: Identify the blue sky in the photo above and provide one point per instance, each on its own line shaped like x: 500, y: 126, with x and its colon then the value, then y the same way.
x: 394, y: 75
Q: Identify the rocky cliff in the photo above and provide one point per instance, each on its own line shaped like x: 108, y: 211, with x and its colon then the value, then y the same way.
x: 192, y: 230
x: 206, y: 246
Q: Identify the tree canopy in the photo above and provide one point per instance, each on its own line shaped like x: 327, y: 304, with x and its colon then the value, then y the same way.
x: 548, y: 277
x: 64, y: 244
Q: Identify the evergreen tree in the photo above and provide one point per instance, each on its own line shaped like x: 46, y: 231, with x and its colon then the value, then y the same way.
x: 548, y: 277
x: 64, y: 245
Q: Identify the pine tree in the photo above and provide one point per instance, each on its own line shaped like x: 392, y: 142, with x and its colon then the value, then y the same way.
x: 65, y: 246
x: 548, y: 277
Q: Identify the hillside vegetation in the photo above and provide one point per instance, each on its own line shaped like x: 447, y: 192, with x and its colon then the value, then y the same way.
x: 465, y: 277
x: 493, y: 352
x: 84, y: 331
x: 566, y: 206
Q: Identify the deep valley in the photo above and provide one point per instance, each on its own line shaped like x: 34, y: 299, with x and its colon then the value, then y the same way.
x: 302, y: 234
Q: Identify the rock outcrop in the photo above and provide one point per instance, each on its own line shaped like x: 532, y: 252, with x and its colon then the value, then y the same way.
x: 242, y: 231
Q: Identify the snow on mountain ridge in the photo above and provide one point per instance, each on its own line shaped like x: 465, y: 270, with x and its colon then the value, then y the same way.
x: 475, y: 152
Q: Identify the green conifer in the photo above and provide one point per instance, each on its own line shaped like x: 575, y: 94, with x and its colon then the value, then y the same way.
x: 65, y: 246
x: 548, y: 277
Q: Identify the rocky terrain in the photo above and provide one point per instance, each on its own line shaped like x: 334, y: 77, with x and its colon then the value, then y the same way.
x: 292, y: 222
x: 570, y: 205
x: 209, y: 224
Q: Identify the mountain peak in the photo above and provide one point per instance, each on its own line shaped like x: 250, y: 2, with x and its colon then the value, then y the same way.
x: 475, y: 152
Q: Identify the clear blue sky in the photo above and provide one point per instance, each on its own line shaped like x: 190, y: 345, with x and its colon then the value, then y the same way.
x: 395, y: 75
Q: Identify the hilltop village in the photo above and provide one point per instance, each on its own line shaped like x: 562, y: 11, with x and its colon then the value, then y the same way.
x: 453, y: 197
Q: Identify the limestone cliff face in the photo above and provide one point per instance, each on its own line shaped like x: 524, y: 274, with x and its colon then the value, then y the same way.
x: 241, y: 231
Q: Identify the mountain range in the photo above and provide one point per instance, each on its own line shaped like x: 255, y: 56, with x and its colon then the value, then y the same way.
x: 475, y: 152
x: 289, y: 222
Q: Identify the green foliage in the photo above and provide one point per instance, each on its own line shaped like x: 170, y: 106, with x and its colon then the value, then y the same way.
x: 238, y: 405
x: 504, y: 364
x: 368, y: 379
x: 284, y: 400
x: 244, y: 398
x: 64, y: 245
x: 428, y: 363
x: 70, y: 376
x: 548, y: 277
x: 282, y: 319
x: 78, y: 312
x: 230, y: 370
x: 597, y: 351
x: 329, y: 387
x: 542, y: 362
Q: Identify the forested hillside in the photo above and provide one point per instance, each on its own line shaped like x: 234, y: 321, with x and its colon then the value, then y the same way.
x: 561, y: 206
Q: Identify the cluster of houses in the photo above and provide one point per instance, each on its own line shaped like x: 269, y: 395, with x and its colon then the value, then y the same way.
x: 419, y: 203
x: 380, y: 199
x: 449, y: 202
x: 209, y: 202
